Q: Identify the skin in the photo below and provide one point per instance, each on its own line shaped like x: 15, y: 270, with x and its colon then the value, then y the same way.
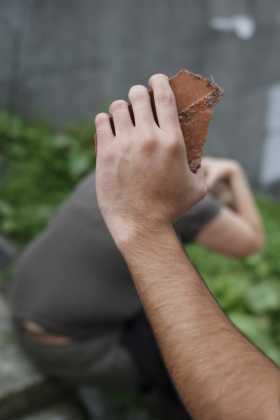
x: 143, y: 183
x: 236, y: 232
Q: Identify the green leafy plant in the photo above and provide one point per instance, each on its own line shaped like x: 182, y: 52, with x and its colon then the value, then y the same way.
x: 249, y: 289
x: 40, y: 167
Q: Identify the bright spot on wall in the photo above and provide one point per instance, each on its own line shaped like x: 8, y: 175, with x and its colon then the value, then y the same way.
x: 243, y: 26
x: 270, y: 167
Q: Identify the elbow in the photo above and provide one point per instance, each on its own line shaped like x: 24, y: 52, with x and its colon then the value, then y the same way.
x: 260, y: 242
x: 254, y: 244
x: 257, y: 242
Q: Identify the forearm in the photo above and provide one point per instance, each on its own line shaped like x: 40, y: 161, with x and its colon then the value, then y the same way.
x: 219, y: 374
x: 244, y: 200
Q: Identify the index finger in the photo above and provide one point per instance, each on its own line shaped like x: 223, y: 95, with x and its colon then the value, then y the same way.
x: 104, y: 133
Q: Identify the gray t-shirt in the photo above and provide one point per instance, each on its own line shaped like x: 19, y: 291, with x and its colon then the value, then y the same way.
x: 72, y: 278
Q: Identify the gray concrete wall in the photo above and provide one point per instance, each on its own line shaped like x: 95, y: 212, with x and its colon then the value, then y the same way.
x: 62, y: 61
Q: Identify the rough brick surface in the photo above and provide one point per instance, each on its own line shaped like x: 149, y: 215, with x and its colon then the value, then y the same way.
x: 195, y: 97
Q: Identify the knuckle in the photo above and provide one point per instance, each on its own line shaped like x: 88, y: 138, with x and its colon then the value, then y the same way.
x: 149, y: 142
x: 138, y: 92
x: 174, y: 146
x: 118, y: 104
x: 108, y: 156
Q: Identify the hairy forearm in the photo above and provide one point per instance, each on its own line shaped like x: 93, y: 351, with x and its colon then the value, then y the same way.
x: 218, y: 373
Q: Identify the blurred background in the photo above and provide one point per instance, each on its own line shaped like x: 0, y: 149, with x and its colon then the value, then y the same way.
x: 63, y: 61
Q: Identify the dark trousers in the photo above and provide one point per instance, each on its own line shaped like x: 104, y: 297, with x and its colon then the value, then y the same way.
x: 82, y: 362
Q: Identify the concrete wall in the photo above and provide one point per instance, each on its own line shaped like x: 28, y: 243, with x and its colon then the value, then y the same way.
x: 64, y: 60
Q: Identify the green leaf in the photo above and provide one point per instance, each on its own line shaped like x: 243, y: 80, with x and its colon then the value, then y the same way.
x: 264, y: 297
x: 79, y: 165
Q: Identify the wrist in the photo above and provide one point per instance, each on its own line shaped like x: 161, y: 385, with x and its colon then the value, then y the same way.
x: 140, y: 235
x: 237, y: 175
x: 235, y: 168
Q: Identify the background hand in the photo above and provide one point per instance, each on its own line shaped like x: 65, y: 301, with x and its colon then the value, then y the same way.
x: 216, y: 170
